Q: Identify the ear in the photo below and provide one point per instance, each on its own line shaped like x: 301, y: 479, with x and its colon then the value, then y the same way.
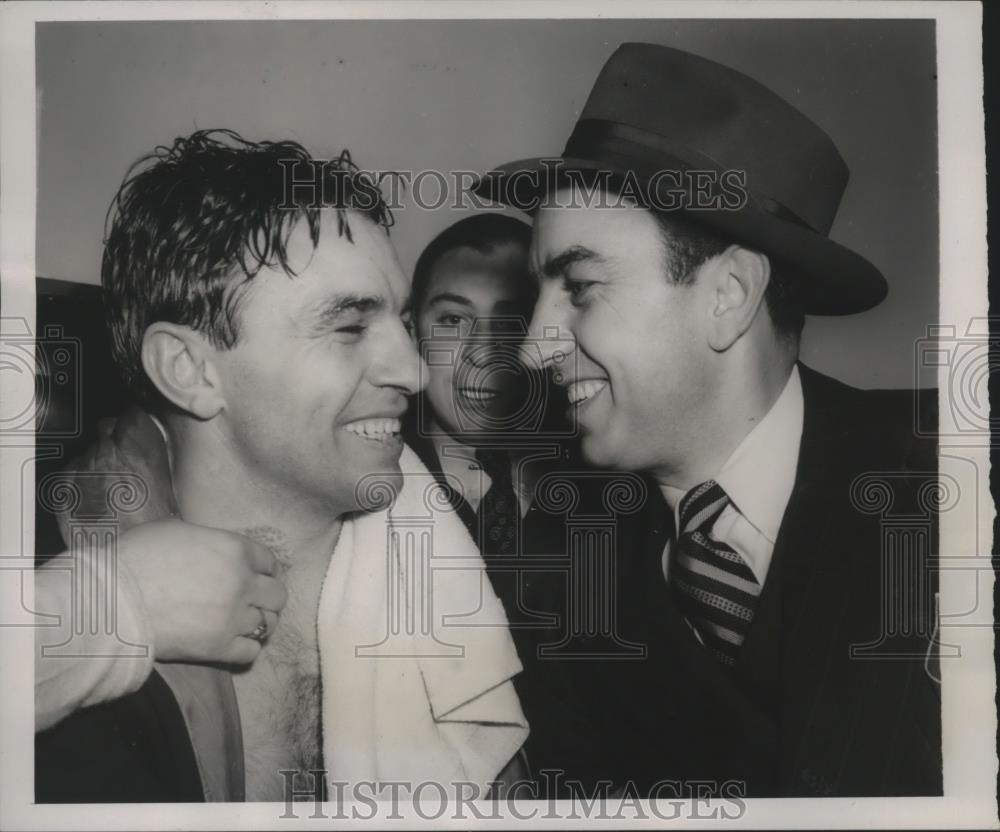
x: 738, y: 280
x: 179, y: 362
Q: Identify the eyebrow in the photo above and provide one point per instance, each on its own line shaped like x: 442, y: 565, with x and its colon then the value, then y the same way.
x: 327, y: 311
x: 557, y: 265
x: 442, y: 297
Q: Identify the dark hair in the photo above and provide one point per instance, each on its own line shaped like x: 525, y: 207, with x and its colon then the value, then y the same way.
x: 689, y: 244
x: 481, y: 232
x: 194, y: 222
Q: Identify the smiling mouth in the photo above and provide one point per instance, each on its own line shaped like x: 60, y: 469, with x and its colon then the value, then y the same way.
x: 477, y: 394
x: 384, y: 431
x: 580, y: 391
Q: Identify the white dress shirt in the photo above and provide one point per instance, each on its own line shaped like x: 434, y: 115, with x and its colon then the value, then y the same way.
x: 758, y: 478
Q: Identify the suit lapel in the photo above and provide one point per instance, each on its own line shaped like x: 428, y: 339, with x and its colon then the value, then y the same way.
x: 804, y: 547
x: 825, y: 573
x: 683, y: 699
x: 207, y: 700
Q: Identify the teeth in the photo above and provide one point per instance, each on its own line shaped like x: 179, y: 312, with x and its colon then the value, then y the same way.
x: 478, y: 395
x: 374, y: 428
x: 580, y: 391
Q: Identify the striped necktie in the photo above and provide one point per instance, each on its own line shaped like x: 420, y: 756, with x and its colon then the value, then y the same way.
x: 714, y: 587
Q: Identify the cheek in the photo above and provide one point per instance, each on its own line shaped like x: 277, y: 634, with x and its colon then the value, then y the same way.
x: 254, y: 382
x: 618, y: 348
x: 327, y: 387
x: 439, y: 374
x: 282, y: 391
x: 642, y: 362
x: 674, y: 378
x: 439, y: 381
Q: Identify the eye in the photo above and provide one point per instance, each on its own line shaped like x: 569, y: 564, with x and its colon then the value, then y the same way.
x: 450, y: 319
x: 576, y: 288
x: 354, y: 330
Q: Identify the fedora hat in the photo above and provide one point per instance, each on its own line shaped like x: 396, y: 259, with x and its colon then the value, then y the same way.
x: 655, y: 110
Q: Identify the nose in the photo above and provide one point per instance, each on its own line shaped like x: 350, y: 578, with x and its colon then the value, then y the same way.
x: 399, y: 364
x: 548, y: 337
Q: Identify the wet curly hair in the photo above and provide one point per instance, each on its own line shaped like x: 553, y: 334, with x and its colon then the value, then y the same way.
x: 194, y: 222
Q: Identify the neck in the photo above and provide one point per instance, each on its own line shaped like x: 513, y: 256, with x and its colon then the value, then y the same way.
x: 214, y: 489
x: 744, y: 390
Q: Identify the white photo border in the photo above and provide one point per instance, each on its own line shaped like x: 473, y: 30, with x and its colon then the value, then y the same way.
x: 969, y: 716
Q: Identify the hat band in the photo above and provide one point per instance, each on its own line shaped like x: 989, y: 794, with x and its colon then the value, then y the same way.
x: 596, y: 139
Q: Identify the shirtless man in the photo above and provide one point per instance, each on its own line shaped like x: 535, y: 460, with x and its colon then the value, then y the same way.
x: 269, y: 345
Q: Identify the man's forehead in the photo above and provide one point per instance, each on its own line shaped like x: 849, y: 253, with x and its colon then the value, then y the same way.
x: 364, y: 266
x: 378, y: 288
x: 505, y: 265
x: 368, y: 256
x: 480, y: 288
x: 503, y: 256
x: 558, y: 230
x: 388, y: 271
x: 603, y: 229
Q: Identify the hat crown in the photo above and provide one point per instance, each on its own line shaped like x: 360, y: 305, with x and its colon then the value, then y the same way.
x: 710, y: 115
x: 657, y: 115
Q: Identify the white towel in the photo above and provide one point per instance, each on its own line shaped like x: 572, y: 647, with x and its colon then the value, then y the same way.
x: 415, y: 691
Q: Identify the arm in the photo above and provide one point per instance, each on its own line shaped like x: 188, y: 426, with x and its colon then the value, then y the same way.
x: 130, y: 444
x: 182, y: 593
x: 100, y: 669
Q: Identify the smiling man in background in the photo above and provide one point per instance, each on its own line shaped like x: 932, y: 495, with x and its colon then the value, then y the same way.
x: 472, y: 298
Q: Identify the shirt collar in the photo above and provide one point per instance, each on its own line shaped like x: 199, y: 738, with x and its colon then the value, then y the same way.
x: 759, y: 475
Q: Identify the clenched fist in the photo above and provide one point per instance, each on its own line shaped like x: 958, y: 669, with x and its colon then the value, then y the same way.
x: 204, y: 590
x: 196, y: 593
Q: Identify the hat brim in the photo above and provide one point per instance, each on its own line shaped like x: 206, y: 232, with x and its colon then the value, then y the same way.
x: 833, y: 280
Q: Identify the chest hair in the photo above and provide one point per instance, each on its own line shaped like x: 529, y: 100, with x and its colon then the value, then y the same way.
x: 279, y: 696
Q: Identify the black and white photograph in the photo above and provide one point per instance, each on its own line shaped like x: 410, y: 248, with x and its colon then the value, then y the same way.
x: 462, y: 414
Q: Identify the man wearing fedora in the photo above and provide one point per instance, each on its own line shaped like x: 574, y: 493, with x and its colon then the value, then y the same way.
x: 787, y: 646
x: 679, y: 241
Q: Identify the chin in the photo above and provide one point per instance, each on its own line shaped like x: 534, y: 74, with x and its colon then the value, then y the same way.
x: 593, y: 449
x: 601, y: 453
x: 377, y: 490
